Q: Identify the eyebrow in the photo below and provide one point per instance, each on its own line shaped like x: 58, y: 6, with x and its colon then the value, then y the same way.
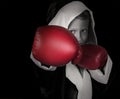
x: 72, y: 28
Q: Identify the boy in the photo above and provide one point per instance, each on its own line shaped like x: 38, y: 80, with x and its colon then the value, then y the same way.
x: 76, y: 17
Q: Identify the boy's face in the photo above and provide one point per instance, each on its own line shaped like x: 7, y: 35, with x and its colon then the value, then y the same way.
x: 80, y: 30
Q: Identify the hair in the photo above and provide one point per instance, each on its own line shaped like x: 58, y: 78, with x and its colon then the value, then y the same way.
x: 85, y: 15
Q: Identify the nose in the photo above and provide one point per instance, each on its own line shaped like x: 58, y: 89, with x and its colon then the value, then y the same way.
x: 78, y: 37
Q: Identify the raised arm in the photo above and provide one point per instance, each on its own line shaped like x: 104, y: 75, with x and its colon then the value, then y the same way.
x: 101, y: 77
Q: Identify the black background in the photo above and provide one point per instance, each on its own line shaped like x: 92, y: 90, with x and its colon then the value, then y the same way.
x: 19, y: 20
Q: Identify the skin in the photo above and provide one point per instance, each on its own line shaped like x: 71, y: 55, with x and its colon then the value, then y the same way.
x: 79, y: 28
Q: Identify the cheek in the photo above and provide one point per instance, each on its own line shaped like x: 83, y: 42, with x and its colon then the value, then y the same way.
x: 77, y: 35
x: 84, y: 37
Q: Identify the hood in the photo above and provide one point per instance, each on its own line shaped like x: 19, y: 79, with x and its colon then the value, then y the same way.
x: 69, y: 12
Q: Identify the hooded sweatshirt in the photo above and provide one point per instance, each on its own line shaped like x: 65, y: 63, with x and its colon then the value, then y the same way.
x: 63, y: 18
x: 82, y: 81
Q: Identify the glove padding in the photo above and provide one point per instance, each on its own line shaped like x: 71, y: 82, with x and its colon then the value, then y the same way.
x: 93, y: 57
x: 54, y: 45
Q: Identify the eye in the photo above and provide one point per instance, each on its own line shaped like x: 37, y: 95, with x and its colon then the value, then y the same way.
x: 84, y: 34
x: 84, y: 31
x: 73, y: 31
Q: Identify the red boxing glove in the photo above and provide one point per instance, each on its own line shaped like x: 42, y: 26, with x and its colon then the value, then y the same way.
x: 93, y: 57
x: 78, y: 57
x: 54, y: 45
